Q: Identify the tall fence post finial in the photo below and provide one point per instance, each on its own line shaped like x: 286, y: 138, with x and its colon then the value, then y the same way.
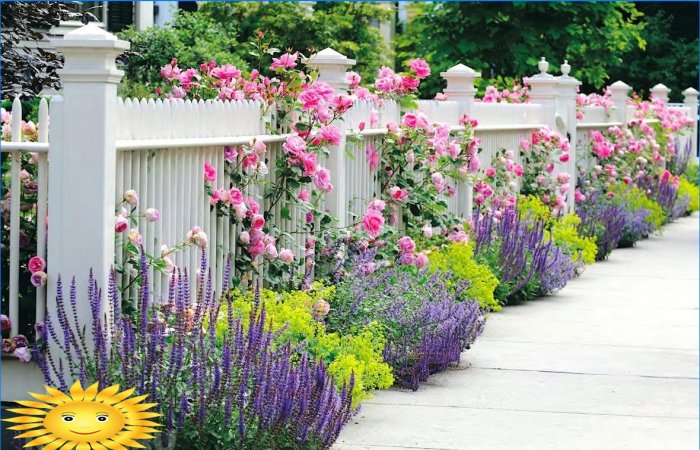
x: 690, y: 99
x: 620, y: 92
x: 460, y: 88
x: 566, y: 111
x: 82, y: 166
x: 660, y: 92
x: 331, y: 67
x: 544, y: 90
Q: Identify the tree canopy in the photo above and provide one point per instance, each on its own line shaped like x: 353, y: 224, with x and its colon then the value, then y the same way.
x: 505, y: 40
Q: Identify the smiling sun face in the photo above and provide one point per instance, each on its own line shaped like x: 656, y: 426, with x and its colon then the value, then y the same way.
x: 85, y: 419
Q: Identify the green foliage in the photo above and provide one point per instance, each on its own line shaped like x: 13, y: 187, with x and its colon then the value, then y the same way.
x: 635, y: 199
x: 685, y: 187
x: 500, y: 39
x: 563, y: 230
x: 692, y: 174
x: 671, y: 53
x: 192, y: 38
x: 457, y: 259
x: 291, y: 315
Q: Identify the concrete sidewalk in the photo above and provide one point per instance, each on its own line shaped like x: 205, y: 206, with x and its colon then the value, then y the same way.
x: 609, y: 363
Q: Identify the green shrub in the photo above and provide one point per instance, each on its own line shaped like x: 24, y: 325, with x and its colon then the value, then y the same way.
x: 291, y: 315
x: 457, y: 259
x: 687, y: 187
x: 635, y: 199
x: 692, y: 173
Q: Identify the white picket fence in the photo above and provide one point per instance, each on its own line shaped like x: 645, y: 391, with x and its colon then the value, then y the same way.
x: 158, y: 148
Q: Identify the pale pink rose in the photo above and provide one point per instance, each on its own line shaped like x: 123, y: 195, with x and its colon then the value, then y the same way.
x: 438, y: 181
x: 286, y: 256
x: 152, y: 215
x: 392, y: 127
x: 427, y: 231
x: 294, y: 145
x: 322, y: 179
x: 258, y: 222
x: 121, y: 224
x: 373, y: 118
x: 23, y: 354
x: 36, y: 264
x: 310, y: 242
x: 239, y: 210
x: 372, y: 157
x: 406, y: 245
x: 377, y: 204
x: 209, y: 172
x: 421, y: 260
x: 131, y: 197
x: 259, y: 147
x: 135, y: 237
x: 286, y: 61
x: 271, y: 252
x: 244, y: 237
x: 197, y: 237
x: 440, y: 97
x: 230, y: 153
x: 303, y: 195
x: 353, y: 79
x: 579, y: 197
x: 372, y: 222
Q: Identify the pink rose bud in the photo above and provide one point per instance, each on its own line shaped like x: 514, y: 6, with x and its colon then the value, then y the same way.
x: 152, y: 215
x: 131, y: 197
x: 244, y: 237
x: 121, y: 224
x: 271, y: 252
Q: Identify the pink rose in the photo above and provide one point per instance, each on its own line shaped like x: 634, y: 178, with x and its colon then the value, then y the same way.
x: 330, y: 134
x: 240, y: 210
x: 6, y: 323
x: 244, y: 237
x: 253, y: 207
x: 564, y: 157
x: 230, y: 153
x: 152, y: 215
x: 372, y: 222
x: 322, y: 179
x: 490, y: 172
x: 372, y: 156
x: 377, y: 204
x: 271, y: 252
x: 121, y: 224
x: 406, y: 245
x: 256, y: 249
x: 308, y: 162
x: 353, y: 79
x: 427, y: 231
x: 209, y: 172
x: 258, y: 222
x: 286, y: 256
x: 420, y: 67
x: 398, y: 194
x: 23, y: 354
x: 303, y: 195
x: 197, y: 237
x: 250, y: 160
x: 392, y: 127
x: 410, y: 120
x: 294, y: 145
x: 36, y: 264
x: 421, y: 260
x: 518, y: 170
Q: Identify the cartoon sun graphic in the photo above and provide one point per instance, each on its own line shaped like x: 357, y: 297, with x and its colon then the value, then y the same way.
x: 85, y: 419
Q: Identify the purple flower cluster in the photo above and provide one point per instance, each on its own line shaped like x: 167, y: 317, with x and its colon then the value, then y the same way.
x: 664, y: 191
x: 636, y: 227
x: 516, y: 246
x: 425, y: 327
x: 559, y: 269
x: 241, y: 394
x: 678, y: 162
x: 603, y: 220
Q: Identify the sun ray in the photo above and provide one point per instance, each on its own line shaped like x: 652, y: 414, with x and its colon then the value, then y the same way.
x: 58, y: 395
x: 54, y: 445
x: 41, y: 440
x: 33, y: 433
x: 107, y: 393
x: 31, y: 404
x: 113, y: 445
x: 26, y: 426
x: 28, y: 411
x: 83, y: 446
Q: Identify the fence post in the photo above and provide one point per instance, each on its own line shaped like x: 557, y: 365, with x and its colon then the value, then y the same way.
x: 331, y: 67
x: 543, y: 90
x: 660, y: 92
x: 460, y: 88
x: 82, y: 166
x: 620, y: 95
x: 690, y: 99
x: 566, y: 108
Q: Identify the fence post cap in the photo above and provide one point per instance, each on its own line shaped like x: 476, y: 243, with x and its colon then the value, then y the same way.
x: 460, y: 71
x: 620, y: 85
x: 660, y: 88
x: 90, y: 35
x: 565, y: 79
x: 690, y: 92
x: 328, y: 56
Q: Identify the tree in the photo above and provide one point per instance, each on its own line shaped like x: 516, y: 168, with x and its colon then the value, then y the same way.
x: 507, y: 39
x: 27, y: 70
x: 671, y: 53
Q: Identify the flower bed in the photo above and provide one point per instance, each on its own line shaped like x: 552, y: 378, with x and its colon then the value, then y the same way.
x: 293, y: 345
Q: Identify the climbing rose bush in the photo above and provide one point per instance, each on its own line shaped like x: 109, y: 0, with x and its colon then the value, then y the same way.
x: 543, y: 174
